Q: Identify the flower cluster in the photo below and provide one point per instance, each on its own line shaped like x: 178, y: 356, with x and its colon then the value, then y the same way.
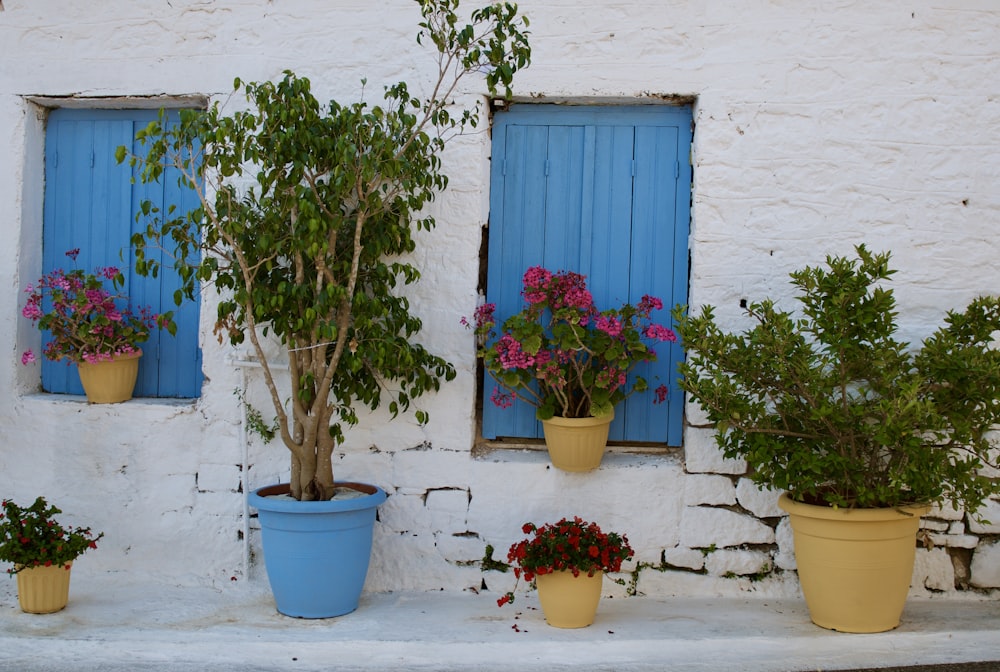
x: 569, y: 545
x: 87, y: 322
x: 29, y: 537
x: 561, y: 354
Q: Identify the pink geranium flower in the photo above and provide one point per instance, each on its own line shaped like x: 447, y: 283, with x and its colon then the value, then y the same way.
x: 560, y: 353
x: 87, y: 320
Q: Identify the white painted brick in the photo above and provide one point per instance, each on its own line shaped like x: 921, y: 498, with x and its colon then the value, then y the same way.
x: 946, y: 512
x: 404, y: 513
x: 934, y: 525
x: 460, y: 548
x: 738, y: 562
x: 701, y: 527
x: 688, y: 558
x: 709, y: 490
x: 933, y: 570
x: 219, y: 503
x: 985, y: 570
x: 955, y: 540
x: 218, y: 478
x: 989, y: 519
x: 761, y: 503
x: 447, y: 510
x: 177, y: 491
x: 785, y: 538
x: 702, y: 455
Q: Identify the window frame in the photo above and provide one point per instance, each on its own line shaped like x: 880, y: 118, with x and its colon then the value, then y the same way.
x: 677, y: 116
x: 158, y: 380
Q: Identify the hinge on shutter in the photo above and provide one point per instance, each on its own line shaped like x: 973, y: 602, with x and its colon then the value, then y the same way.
x: 547, y: 164
x: 92, y: 159
x: 677, y: 170
x: 503, y: 167
x: 633, y: 167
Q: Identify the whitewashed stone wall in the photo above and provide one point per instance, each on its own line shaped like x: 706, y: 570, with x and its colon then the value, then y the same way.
x: 818, y: 125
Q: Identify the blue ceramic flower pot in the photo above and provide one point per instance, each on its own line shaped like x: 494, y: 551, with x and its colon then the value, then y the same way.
x: 317, y: 553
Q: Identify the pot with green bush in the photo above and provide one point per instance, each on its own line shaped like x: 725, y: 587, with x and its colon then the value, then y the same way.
x: 569, y: 360
x: 308, y: 215
x: 854, y: 425
x: 41, y: 552
x: 566, y: 561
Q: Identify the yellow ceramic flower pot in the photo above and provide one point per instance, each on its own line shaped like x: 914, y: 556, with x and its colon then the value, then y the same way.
x: 43, y: 590
x: 569, y: 601
x: 577, y: 444
x: 112, y: 381
x: 854, y: 565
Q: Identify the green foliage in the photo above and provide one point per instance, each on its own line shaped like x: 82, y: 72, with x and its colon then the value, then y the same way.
x: 307, y: 216
x: 31, y: 537
x: 255, y: 419
x: 87, y: 321
x: 489, y: 564
x: 561, y: 354
x: 832, y: 408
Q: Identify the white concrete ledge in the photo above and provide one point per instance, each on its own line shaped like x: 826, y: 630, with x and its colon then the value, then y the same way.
x: 114, y: 623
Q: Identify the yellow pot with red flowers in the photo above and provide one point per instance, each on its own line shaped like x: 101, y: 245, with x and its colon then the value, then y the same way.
x: 41, y: 552
x: 566, y: 561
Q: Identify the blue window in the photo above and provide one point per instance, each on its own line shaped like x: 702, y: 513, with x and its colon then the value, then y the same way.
x: 90, y: 203
x: 602, y: 191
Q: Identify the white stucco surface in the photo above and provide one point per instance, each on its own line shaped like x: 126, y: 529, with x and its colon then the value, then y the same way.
x: 818, y: 126
x: 115, y: 626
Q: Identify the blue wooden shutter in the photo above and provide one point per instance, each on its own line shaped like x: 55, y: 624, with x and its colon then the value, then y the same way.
x: 91, y: 204
x: 604, y: 192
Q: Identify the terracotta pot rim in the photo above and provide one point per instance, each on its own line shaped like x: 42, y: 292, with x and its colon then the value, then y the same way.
x: 786, y: 503
x: 117, y: 358
x: 581, y: 422
x: 374, y: 496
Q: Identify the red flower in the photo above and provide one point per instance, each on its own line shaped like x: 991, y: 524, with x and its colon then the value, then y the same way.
x: 569, y: 545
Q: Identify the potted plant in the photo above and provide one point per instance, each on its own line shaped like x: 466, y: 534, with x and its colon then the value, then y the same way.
x: 42, y: 552
x: 854, y: 425
x: 566, y: 562
x: 93, y: 327
x: 308, y: 213
x: 569, y: 360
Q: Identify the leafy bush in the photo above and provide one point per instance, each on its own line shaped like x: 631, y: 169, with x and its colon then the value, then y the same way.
x: 830, y: 407
x: 31, y: 537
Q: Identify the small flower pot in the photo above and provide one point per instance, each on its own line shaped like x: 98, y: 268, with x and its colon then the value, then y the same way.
x: 577, y: 444
x: 112, y: 381
x: 569, y: 601
x: 43, y: 590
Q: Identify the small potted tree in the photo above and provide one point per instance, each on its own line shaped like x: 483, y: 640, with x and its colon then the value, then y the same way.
x: 313, y: 254
x: 41, y: 552
x: 860, y: 430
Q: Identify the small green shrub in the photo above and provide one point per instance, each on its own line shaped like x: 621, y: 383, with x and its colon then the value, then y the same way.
x: 831, y: 407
